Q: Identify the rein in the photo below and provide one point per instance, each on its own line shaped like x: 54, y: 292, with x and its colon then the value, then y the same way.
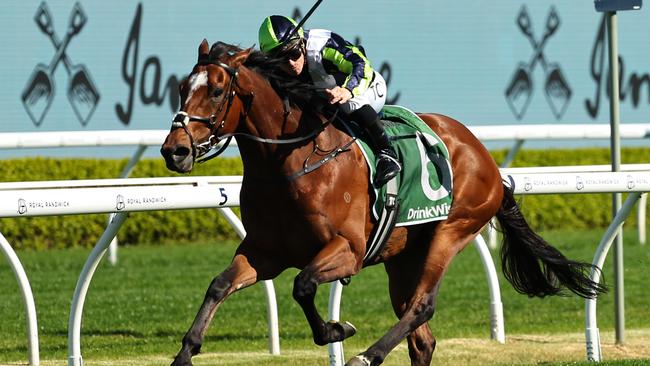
x: 181, y: 120
x: 308, y: 168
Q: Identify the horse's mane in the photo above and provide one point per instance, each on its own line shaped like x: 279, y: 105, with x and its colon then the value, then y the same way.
x: 298, y: 92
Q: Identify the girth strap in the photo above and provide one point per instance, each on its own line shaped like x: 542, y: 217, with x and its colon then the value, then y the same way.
x: 385, y: 224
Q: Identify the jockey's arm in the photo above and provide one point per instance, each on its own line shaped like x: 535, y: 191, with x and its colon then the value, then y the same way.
x: 350, y: 60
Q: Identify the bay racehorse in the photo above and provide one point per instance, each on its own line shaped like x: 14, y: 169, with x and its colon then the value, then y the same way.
x: 320, y: 221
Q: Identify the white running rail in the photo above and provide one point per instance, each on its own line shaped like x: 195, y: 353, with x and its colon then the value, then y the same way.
x: 120, y: 196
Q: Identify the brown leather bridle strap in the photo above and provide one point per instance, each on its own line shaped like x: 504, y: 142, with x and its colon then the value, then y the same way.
x: 181, y: 119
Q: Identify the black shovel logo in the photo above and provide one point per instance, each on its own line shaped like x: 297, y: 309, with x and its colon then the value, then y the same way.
x: 39, y: 92
x: 556, y: 88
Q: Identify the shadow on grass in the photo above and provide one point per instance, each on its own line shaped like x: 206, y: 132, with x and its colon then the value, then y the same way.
x: 103, y: 332
x: 245, y: 336
x: 48, y: 348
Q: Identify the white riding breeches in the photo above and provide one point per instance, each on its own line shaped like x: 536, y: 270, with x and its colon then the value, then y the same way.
x: 375, y: 96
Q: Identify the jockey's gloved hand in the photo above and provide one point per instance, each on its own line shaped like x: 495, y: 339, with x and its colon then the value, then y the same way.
x: 339, y: 95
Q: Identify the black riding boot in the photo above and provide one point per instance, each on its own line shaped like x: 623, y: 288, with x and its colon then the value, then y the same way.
x: 387, y: 164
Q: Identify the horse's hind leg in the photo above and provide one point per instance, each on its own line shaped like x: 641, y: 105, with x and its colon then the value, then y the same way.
x: 335, y: 261
x: 421, y: 343
x: 245, y: 270
x: 448, y: 240
x: 403, y: 274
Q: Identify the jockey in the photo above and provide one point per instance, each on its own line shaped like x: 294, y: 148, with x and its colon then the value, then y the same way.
x: 326, y: 60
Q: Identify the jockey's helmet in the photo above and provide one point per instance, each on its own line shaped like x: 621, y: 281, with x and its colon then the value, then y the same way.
x: 274, y: 33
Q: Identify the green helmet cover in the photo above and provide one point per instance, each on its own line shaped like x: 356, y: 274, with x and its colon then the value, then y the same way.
x: 273, y: 29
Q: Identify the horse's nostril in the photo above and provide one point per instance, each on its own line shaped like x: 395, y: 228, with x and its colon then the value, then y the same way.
x: 181, y: 151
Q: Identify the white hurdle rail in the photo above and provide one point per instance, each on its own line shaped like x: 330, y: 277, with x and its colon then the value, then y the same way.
x: 522, y: 133
x: 120, y: 196
x: 567, y: 179
x: 635, y: 181
x: 28, y: 300
x: 146, y: 138
x: 641, y: 210
x: 101, y: 138
x: 518, y: 133
x: 142, y: 139
x: 117, y: 196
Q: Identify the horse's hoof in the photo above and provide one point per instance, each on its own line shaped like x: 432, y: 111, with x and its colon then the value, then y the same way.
x: 348, y: 329
x: 181, y: 361
x: 345, y: 329
x: 175, y: 363
x: 335, y: 332
x: 359, y: 360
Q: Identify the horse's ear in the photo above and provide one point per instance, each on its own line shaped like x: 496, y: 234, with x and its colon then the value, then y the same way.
x: 240, y: 57
x: 204, y: 49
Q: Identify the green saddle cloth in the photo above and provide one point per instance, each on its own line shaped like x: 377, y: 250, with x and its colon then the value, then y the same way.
x: 425, y: 182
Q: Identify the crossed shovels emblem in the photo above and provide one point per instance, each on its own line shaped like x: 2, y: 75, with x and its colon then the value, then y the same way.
x: 556, y: 88
x: 40, y: 89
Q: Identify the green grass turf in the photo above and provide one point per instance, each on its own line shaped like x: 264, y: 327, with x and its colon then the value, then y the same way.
x: 143, y: 306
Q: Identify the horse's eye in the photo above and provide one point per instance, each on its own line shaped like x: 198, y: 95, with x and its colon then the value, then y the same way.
x: 217, y: 92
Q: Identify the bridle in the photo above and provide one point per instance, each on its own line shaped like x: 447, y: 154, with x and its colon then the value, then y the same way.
x: 181, y: 120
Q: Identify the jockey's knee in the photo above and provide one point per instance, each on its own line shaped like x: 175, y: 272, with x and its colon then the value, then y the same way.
x: 364, y: 115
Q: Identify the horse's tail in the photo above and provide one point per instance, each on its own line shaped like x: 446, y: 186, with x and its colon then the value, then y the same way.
x: 534, y: 267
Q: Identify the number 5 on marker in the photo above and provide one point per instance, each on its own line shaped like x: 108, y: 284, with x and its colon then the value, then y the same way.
x: 224, y: 196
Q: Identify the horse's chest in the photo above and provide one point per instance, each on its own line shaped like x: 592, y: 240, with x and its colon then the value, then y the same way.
x: 292, y: 221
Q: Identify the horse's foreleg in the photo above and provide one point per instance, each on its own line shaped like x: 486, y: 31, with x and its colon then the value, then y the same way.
x: 334, y: 262
x: 238, y: 275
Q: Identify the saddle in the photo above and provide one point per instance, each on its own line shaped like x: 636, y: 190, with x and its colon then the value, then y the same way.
x: 422, y: 192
